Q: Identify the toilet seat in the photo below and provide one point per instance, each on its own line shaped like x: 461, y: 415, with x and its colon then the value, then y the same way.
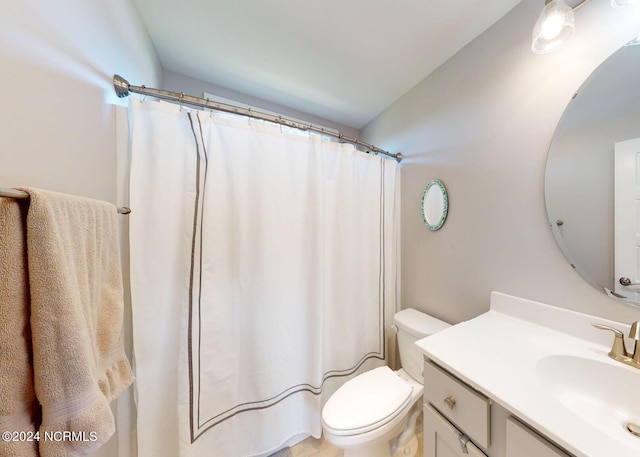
x: 366, y: 402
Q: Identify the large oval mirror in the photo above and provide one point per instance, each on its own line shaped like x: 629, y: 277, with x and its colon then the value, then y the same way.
x: 592, y: 179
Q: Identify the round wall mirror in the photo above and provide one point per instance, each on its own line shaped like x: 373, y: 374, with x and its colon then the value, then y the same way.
x: 435, y: 204
x: 593, y: 176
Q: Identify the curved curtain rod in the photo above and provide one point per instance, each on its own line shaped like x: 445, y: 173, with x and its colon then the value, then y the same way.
x: 123, y: 89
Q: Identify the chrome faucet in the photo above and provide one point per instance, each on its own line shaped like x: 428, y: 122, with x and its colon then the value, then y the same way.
x: 619, y: 351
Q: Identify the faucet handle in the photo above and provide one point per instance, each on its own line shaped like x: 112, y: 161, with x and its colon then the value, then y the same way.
x: 618, y: 350
x: 634, y: 334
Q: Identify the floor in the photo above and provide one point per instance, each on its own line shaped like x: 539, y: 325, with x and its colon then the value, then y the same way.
x: 312, y: 447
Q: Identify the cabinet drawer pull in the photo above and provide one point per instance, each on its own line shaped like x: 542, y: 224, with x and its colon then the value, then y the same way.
x: 463, y: 440
x: 450, y: 401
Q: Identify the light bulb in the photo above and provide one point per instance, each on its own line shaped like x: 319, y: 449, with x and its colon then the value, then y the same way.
x: 555, y: 25
x: 552, y: 26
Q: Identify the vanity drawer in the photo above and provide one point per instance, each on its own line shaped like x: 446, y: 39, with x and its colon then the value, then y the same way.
x: 462, y: 405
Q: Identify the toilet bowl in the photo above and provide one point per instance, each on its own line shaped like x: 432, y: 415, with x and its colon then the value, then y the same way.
x: 375, y: 413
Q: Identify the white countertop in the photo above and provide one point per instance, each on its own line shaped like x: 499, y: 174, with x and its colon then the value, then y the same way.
x: 498, y: 352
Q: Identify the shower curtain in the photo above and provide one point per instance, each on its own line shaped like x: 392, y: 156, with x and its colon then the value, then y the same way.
x: 263, y: 275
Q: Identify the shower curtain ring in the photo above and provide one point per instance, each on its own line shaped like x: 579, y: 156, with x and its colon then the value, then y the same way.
x: 210, y: 109
x: 144, y: 96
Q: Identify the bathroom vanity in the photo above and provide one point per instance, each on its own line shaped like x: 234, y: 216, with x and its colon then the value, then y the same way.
x: 527, y: 379
x: 489, y: 428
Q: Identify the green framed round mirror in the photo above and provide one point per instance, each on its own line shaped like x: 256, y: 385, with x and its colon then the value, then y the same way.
x: 434, y: 204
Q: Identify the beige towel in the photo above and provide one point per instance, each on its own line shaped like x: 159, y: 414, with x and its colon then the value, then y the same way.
x: 76, y: 320
x: 18, y: 408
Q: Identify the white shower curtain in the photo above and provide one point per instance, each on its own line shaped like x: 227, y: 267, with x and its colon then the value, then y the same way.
x: 263, y: 275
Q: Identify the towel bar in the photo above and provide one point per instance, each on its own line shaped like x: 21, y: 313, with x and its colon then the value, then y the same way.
x: 13, y: 193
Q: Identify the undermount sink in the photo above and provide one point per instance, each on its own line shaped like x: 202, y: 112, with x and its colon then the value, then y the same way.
x: 600, y: 393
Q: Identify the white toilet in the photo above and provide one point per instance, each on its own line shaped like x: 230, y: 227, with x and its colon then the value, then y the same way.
x: 375, y: 413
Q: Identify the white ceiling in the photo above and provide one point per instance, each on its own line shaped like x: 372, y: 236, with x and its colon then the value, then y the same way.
x: 342, y: 60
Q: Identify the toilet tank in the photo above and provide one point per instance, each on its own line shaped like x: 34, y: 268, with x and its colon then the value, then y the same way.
x: 413, y: 326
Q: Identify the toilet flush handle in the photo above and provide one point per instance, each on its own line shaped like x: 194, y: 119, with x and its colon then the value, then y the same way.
x: 450, y: 401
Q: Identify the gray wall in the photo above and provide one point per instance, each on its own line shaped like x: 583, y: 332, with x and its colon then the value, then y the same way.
x: 58, y: 60
x: 57, y: 123
x: 482, y: 123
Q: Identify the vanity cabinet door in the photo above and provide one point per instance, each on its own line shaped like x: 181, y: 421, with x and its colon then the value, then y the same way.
x: 523, y: 442
x: 442, y: 439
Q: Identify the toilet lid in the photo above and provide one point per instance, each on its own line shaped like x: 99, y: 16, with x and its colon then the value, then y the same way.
x: 367, y: 400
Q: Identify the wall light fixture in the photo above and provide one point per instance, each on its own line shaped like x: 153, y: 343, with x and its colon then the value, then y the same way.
x: 556, y: 23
